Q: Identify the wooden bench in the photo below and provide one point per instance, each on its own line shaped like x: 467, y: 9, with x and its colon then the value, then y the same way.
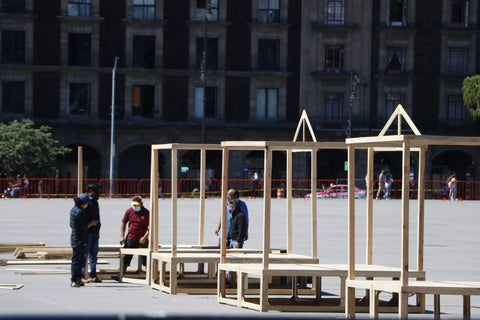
x: 198, y: 282
x: 436, y: 288
x: 268, y: 299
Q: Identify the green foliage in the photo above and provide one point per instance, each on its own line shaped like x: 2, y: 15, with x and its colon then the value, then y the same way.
x: 25, y: 149
x: 471, y: 95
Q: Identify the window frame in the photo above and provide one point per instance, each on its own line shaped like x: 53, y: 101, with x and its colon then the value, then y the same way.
x: 333, y: 109
x: 457, y: 59
x: 11, y: 94
x: 269, y: 11
x: 455, y: 104
x: 141, y: 58
x: 212, y: 53
x: 334, y: 58
x: 335, y: 12
x: 76, y: 59
x: 392, y: 100
x: 269, y: 113
x: 213, y: 15
x: 400, y: 15
x: 83, y: 8
x: 389, y: 58
x: 267, y: 47
x: 13, y: 6
x: 211, y: 103
x: 143, y: 10
x: 13, y: 47
x: 88, y: 99
x: 459, y: 13
x: 144, y: 110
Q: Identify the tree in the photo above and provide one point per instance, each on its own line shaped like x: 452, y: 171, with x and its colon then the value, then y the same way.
x: 25, y: 149
x: 471, y: 95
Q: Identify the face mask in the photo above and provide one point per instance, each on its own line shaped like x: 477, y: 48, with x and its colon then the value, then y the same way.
x: 136, y: 208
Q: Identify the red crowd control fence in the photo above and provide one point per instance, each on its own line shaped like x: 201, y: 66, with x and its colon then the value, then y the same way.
x: 188, y: 188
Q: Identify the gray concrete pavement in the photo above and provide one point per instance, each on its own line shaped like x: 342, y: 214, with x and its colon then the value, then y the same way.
x: 452, y: 238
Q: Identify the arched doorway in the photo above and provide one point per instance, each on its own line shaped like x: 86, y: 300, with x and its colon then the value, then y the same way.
x: 453, y: 161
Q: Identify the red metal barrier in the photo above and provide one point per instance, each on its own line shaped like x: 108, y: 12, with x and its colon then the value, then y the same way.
x: 51, y: 187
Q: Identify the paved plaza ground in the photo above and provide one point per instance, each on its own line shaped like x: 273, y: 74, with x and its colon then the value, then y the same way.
x: 452, y: 242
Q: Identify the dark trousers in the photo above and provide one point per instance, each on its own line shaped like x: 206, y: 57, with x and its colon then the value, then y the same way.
x: 134, y: 244
x: 78, y: 262
x: 92, y: 252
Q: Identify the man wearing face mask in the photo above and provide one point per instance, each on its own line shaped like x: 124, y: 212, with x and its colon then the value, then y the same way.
x: 137, y: 217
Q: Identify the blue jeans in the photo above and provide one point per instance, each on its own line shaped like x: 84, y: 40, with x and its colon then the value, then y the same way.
x: 78, y: 262
x: 91, y: 253
x: 231, y: 243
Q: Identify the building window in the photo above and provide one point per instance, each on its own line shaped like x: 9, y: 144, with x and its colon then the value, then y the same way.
x: 144, y: 51
x: 143, y: 101
x: 269, y: 11
x: 267, y: 104
x: 392, y: 101
x: 334, y: 58
x: 460, y: 10
x: 212, y: 14
x: 395, y: 59
x: 268, y: 54
x: 144, y: 9
x: 397, y: 12
x: 212, y: 53
x: 79, y: 51
x: 79, y: 8
x: 13, y: 97
x: 456, y: 111
x: 211, y: 102
x: 79, y: 98
x: 13, y: 46
x: 457, y: 61
x: 335, y: 12
x: 13, y: 6
x: 334, y: 109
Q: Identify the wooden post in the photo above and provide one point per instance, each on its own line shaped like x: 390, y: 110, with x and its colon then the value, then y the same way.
x: 405, y: 213
x: 201, y: 223
x: 80, y: 171
x: 369, y: 233
x: 223, y: 244
x: 421, y: 209
x: 288, y: 193
x: 350, y: 292
x: 267, y: 201
x: 174, y: 202
x: 313, y: 168
x: 153, y: 243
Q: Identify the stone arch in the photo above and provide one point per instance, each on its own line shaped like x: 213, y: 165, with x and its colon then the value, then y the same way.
x: 462, y: 161
x: 134, y: 162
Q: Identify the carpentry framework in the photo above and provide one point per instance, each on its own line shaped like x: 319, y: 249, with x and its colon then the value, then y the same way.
x: 406, y: 143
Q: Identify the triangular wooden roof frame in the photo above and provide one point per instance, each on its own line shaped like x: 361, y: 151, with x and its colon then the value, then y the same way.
x: 301, y: 124
x: 399, y: 113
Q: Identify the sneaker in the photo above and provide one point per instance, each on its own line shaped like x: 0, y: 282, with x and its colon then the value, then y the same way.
x: 96, y: 280
x: 86, y: 280
x: 75, y: 284
x: 80, y: 283
x: 116, y: 278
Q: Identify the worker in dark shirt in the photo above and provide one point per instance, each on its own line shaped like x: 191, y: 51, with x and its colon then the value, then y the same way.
x: 238, y: 225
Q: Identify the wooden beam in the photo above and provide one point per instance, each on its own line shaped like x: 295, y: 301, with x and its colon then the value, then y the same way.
x: 201, y: 215
x: 369, y: 233
x: 313, y: 177
x: 174, y: 200
x: 267, y: 201
x: 351, y: 213
x: 405, y: 213
x: 80, y: 170
x: 288, y: 194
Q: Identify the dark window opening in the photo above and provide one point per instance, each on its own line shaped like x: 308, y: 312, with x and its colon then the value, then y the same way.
x: 269, y: 54
x: 13, y: 47
x: 144, y: 51
x: 79, y: 52
x: 13, y: 97
x: 143, y: 101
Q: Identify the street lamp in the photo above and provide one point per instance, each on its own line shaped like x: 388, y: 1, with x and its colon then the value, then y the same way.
x: 354, y: 80
x: 112, y: 128
x: 203, y: 75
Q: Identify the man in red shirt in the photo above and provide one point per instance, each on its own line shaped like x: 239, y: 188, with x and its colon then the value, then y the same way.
x: 137, y: 217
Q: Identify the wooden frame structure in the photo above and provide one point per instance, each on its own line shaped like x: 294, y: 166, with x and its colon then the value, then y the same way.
x: 404, y: 286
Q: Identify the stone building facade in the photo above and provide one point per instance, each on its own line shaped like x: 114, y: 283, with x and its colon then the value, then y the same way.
x: 347, y: 62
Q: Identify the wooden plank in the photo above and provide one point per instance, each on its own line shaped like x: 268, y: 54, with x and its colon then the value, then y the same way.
x: 174, y: 201
x: 404, y: 249
x: 201, y: 215
x: 421, y: 209
x: 351, y: 213
x: 11, y: 286
x: 313, y: 177
x: 267, y: 194
x: 21, y: 244
x: 369, y: 220
x: 288, y: 194
x: 46, y: 262
x: 80, y: 170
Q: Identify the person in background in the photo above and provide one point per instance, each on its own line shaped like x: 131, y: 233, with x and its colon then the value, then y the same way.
x: 137, y: 217
x: 231, y: 195
x: 452, y: 186
x: 381, y: 184
x: 93, y: 232
x: 238, y: 225
x: 388, y: 187
x: 78, y: 238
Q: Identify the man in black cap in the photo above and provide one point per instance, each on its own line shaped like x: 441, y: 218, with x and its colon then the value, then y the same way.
x: 78, y: 223
x: 93, y: 233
